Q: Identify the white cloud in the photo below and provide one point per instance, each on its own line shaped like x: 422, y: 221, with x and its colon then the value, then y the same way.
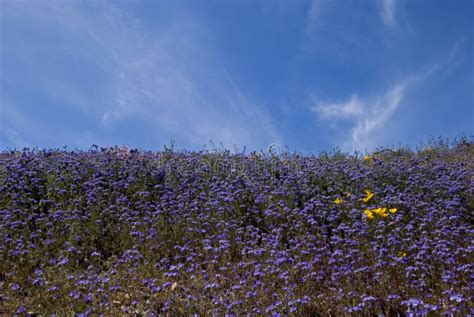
x: 313, y: 21
x: 368, y: 116
x: 364, y: 134
x: 388, y: 12
x: 168, y: 76
x: 351, y: 108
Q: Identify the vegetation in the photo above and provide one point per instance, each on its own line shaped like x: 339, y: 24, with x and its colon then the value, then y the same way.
x: 118, y: 231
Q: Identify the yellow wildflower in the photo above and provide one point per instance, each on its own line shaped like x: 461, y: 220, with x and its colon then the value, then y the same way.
x: 402, y: 254
x: 369, y: 196
x: 369, y: 214
x: 393, y: 210
x: 382, y: 211
x: 338, y: 201
x: 348, y: 194
x: 367, y: 159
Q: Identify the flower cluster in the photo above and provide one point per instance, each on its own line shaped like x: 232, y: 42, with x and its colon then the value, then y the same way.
x: 115, y: 231
x: 368, y: 196
x: 381, y: 211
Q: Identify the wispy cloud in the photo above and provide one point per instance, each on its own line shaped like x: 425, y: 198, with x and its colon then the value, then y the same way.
x: 455, y: 57
x: 347, y: 109
x: 168, y: 77
x: 313, y: 14
x: 388, y: 12
x: 364, y: 119
x: 313, y: 24
x: 367, y: 116
x: 364, y: 134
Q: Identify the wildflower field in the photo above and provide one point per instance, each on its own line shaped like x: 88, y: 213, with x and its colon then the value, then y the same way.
x: 114, y: 231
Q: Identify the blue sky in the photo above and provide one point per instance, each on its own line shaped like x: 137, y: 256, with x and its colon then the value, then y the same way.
x: 307, y: 75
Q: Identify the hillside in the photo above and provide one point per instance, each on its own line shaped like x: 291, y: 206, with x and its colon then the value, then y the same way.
x: 118, y: 231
